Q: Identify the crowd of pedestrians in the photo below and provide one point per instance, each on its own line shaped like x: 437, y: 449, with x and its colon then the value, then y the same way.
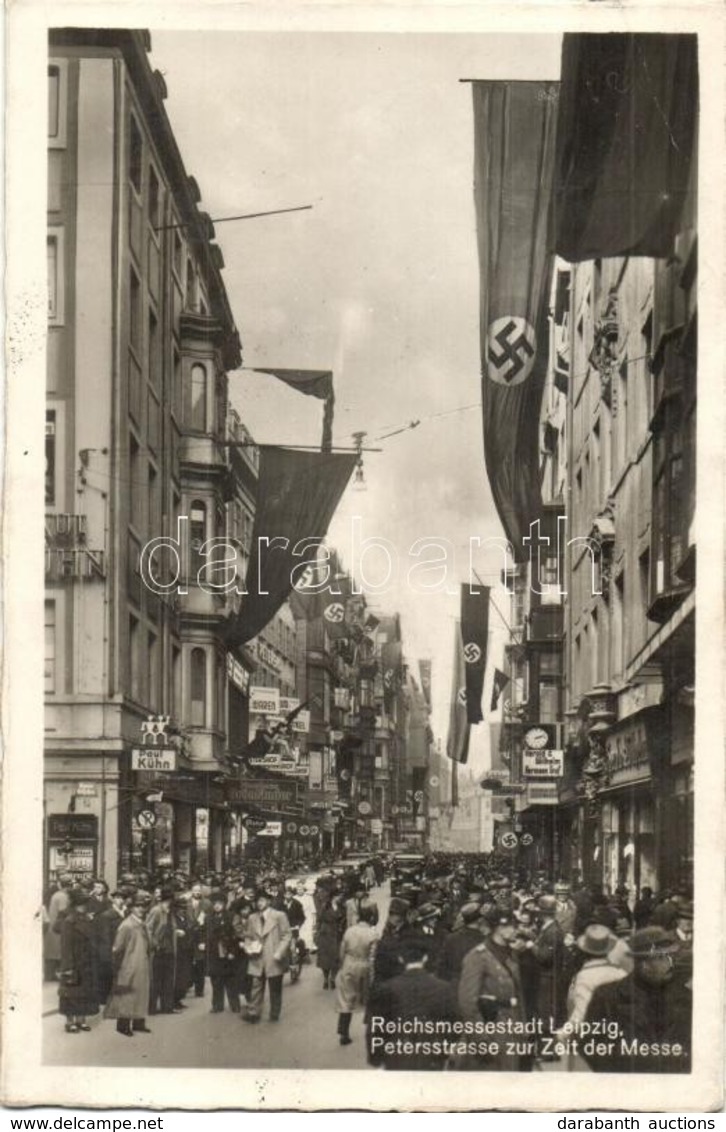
x: 530, y: 966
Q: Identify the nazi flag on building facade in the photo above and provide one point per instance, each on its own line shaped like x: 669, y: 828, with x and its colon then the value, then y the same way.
x: 514, y: 148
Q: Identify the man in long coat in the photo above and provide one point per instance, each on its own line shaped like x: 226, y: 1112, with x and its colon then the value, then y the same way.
x: 267, y: 942
x: 198, y: 910
x: 413, y: 996
x: 650, y: 1010
x: 459, y: 943
x: 162, y: 926
x: 554, y: 965
x: 129, y: 999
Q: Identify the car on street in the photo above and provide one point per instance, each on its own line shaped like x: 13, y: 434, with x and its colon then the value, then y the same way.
x: 406, y: 871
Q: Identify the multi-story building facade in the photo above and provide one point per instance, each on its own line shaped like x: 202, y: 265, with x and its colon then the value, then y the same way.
x: 630, y: 644
x: 140, y: 338
x: 607, y: 657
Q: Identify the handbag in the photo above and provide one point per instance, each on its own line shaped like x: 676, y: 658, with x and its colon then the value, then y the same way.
x: 253, y: 946
x: 69, y: 978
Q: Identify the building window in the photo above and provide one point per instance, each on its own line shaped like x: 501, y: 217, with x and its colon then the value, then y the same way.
x: 56, y: 276
x: 57, y: 104
x: 53, y: 101
x: 136, y: 150
x: 134, y: 310
x: 50, y: 442
x: 153, y: 668
x: 153, y: 422
x: 198, y: 415
x: 177, y: 255
x: 154, y: 503
x: 176, y: 403
x: 134, y: 659
x: 135, y: 494
x: 617, y: 643
x: 191, y: 288
x: 50, y: 650
x: 153, y: 348
x: 176, y: 687
x: 198, y: 687
x: 154, y: 199
x: 198, y: 524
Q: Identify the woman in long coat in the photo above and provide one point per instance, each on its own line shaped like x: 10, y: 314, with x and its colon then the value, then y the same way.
x: 328, y: 934
x: 78, y: 990
x: 129, y: 1000
x: 356, y: 955
x: 57, y: 907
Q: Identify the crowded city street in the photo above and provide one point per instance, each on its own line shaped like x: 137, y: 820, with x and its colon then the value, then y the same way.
x: 321, y: 790
x: 417, y: 962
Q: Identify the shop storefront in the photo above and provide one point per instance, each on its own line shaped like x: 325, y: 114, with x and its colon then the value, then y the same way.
x: 82, y: 800
x: 628, y: 805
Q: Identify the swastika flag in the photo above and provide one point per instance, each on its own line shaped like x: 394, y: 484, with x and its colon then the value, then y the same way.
x: 474, y: 639
x: 514, y: 147
x: 457, y: 740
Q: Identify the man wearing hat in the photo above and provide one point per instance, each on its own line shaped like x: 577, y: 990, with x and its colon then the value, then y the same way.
x: 161, y: 924
x: 411, y: 996
x: 224, y: 954
x: 553, y: 964
x: 470, y: 932
x: 424, y: 923
x: 596, y: 943
x: 198, y: 909
x: 129, y: 999
x: 566, y: 910
x: 267, y: 939
x: 386, y: 962
x: 651, y: 1009
x: 490, y: 988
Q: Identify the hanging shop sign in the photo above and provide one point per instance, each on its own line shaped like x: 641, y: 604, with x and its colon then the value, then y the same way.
x: 265, y: 701
x: 376, y: 826
x: 153, y: 758
x: 543, y: 764
x: 541, y: 794
x: 526, y: 839
x: 627, y: 754
x: 271, y: 829
x: 238, y: 674
x: 364, y: 807
x: 291, y: 828
x: 266, y: 656
x: 260, y: 792
x: 254, y: 825
x: 508, y: 840
x: 146, y: 819
x: 79, y: 859
x: 72, y: 827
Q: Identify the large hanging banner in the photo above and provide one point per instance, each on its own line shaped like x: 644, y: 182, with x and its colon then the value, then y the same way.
x: 474, y: 640
x: 625, y: 143
x: 457, y: 741
x: 297, y: 494
x: 514, y: 149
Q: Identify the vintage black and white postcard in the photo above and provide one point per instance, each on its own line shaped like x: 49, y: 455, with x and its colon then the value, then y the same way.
x: 363, y: 557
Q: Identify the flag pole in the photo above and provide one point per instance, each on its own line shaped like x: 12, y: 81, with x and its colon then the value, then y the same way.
x: 297, y: 447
